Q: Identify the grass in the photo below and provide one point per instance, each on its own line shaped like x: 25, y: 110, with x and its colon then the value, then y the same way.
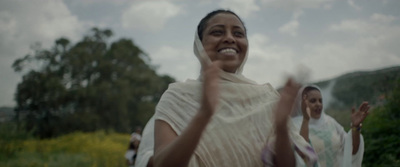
x: 97, y: 149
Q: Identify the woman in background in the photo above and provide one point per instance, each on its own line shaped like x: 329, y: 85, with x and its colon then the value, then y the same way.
x: 131, y: 153
x: 333, y: 145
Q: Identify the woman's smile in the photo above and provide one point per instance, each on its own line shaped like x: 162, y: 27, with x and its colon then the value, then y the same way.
x: 228, y: 52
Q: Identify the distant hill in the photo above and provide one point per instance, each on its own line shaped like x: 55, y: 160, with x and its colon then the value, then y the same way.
x: 342, y: 93
x: 351, y: 89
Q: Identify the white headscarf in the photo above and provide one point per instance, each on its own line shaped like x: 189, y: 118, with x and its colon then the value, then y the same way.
x: 315, y: 123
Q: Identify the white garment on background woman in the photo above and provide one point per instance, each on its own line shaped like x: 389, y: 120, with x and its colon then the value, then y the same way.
x: 328, y: 138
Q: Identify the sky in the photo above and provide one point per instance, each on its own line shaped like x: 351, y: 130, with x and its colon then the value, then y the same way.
x: 327, y: 37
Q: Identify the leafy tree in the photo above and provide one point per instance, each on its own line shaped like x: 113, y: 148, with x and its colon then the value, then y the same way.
x: 88, y: 86
x: 382, y: 132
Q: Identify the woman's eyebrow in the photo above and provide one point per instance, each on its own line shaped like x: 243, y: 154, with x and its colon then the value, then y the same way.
x: 222, y: 26
x: 239, y: 27
x: 217, y: 25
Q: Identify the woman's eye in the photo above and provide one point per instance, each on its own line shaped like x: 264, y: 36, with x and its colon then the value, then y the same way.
x: 239, y: 34
x: 216, y: 32
x: 312, y: 100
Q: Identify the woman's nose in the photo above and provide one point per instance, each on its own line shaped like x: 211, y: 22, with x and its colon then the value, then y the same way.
x: 229, y: 38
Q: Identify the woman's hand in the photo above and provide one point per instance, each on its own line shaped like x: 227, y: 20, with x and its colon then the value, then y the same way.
x: 173, y: 150
x: 286, y: 102
x: 357, y: 117
x: 284, y: 154
x: 307, y: 111
x: 210, y: 96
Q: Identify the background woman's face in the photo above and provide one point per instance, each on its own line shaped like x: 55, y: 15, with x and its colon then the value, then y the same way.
x: 315, y: 103
x: 225, y: 39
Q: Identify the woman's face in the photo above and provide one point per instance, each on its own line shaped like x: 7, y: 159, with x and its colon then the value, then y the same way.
x: 315, y: 103
x: 136, y: 143
x: 225, y: 39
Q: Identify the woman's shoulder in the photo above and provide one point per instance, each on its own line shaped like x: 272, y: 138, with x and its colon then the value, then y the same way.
x: 184, y: 86
x: 330, y: 119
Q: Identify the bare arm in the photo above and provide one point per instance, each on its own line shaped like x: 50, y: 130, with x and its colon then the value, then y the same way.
x: 357, y: 117
x: 173, y: 150
x: 304, y: 129
x: 356, y: 139
x: 150, y: 162
x: 284, y: 152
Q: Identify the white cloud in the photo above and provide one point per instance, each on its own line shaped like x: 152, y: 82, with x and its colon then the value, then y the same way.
x: 377, y: 25
x: 268, y: 62
x: 23, y: 23
x: 149, y: 15
x: 290, y: 28
x: 382, y: 18
x: 91, y: 2
x: 368, y: 44
x: 354, y: 5
x: 242, y: 8
x: 178, y: 62
x: 356, y: 26
x: 330, y: 59
x: 295, y: 5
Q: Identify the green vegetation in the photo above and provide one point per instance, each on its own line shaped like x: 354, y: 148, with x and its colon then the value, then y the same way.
x: 95, y: 149
x: 381, y: 132
x: 88, y: 86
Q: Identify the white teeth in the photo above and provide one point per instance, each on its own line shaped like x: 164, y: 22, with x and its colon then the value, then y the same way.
x: 228, y: 50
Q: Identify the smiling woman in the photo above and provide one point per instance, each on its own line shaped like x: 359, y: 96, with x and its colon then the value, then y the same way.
x: 223, y: 118
x: 225, y: 39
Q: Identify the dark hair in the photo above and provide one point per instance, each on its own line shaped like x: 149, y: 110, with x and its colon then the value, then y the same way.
x: 308, y: 89
x: 203, y: 22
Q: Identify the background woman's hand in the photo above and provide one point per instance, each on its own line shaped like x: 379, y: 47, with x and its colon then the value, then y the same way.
x: 307, y: 111
x: 357, y: 117
x: 211, y: 78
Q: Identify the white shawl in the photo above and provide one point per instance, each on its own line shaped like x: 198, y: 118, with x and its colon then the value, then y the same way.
x: 328, y: 138
x: 146, y: 145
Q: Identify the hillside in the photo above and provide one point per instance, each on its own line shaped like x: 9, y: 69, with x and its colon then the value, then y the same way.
x: 342, y: 93
x: 353, y: 88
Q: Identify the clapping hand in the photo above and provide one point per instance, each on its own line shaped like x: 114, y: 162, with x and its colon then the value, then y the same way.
x: 210, y: 97
x: 307, y: 112
x: 357, y: 117
x: 285, y: 104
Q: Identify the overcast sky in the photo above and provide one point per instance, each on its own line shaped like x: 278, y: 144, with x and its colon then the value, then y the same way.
x: 330, y: 37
